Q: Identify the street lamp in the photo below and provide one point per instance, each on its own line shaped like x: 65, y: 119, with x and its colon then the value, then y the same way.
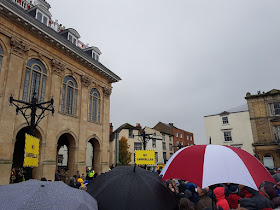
x: 145, y: 138
x: 28, y: 111
x: 23, y: 107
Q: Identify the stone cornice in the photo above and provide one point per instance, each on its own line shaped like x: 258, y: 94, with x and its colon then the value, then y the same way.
x: 20, y: 17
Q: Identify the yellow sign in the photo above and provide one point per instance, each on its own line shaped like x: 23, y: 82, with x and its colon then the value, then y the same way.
x: 160, y: 166
x: 31, y: 154
x: 145, y: 157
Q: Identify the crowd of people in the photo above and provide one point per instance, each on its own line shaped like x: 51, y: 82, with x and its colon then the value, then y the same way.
x: 78, y: 180
x: 224, y: 196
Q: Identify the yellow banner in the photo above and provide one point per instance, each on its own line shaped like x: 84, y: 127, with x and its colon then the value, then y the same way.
x: 31, y: 154
x: 145, y: 157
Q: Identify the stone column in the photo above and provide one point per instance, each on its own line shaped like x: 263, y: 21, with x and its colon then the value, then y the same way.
x: 49, y: 148
x: 8, y: 113
x: 106, y: 129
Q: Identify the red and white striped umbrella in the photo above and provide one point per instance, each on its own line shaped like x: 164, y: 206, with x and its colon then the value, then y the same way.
x: 205, y: 165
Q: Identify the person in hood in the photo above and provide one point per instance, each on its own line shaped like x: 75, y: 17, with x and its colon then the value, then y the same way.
x: 233, y: 197
x: 221, y: 200
x: 260, y: 201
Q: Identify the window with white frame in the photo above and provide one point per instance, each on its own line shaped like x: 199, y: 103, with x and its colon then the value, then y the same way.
x: 154, y: 143
x: 227, y: 135
x: 163, y: 137
x: 181, y: 144
x: 69, y: 96
x: 191, y: 138
x: 163, y: 146
x: 42, y: 17
x: 225, y: 120
x: 276, y: 133
x: 94, y: 105
x: 170, y: 138
x: 274, y: 109
x: 177, y: 134
x: 137, y: 146
x: 177, y: 143
x: 156, y: 155
x: 181, y: 135
x: 1, y: 56
x: 268, y: 161
x: 72, y: 39
x: 187, y: 137
x: 35, y: 80
x: 171, y: 154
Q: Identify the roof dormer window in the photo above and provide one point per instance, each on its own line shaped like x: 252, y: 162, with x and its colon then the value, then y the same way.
x: 95, y: 56
x: 42, y: 18
x: 72, y: 39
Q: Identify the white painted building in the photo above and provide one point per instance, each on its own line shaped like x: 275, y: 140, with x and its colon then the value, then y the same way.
x: 156, y: 145
x: 232, y: 128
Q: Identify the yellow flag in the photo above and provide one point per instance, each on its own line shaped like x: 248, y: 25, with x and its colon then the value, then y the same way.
x: 31, y: 154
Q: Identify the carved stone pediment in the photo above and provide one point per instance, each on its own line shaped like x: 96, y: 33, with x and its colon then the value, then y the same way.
x: 19, y: 47
x: 107, y: 92
x: 86, y: 81
x: 58, y: 67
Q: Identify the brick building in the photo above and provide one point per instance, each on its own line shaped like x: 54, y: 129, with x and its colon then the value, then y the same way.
x: 181, y: 138
x: 264, y: 110
x: 38, y: 55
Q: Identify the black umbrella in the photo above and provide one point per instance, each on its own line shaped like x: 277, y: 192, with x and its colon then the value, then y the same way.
x: 123, y: 189
x: 34, y: 194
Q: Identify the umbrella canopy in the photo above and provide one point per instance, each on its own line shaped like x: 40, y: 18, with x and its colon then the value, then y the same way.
x: 34, y: 194
x: 123, y: 188
x: 206, y: 165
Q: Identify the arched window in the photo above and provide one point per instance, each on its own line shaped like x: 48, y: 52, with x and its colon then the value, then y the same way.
x: 268, y: 161
x: 1, y: 56
x: 69, y: 96
x: 94, y: 106
x: 35, y: 80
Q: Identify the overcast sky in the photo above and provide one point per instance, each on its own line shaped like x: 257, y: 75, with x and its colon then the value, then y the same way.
x: 179, y: 60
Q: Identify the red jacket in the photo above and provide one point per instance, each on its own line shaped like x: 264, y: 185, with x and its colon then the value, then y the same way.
x: 220, y: 196
x: 233, y: 200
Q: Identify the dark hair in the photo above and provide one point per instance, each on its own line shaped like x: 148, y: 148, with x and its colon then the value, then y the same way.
x: 43, y: 179
x: 185, y: 204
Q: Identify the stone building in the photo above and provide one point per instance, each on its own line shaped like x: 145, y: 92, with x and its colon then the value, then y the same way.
x: 264, y: 109
x: 39, y: 55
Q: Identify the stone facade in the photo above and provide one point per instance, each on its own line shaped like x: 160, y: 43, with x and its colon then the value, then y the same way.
x: 265, y: 122
x: 22, y: 41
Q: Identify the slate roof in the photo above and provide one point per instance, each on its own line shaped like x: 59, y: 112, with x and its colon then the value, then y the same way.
x: 21, y: 13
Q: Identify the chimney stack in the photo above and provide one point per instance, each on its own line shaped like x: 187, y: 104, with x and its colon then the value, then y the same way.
x: 111, y: 128
x: 138, y: 125
x: 171, y: 124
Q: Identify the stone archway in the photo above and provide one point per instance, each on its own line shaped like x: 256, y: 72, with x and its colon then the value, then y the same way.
x: 18, y: 155
x: 93, y: 155
x: 66, y: 148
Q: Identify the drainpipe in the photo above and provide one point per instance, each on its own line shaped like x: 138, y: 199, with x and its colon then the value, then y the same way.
x: 117, y: 147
